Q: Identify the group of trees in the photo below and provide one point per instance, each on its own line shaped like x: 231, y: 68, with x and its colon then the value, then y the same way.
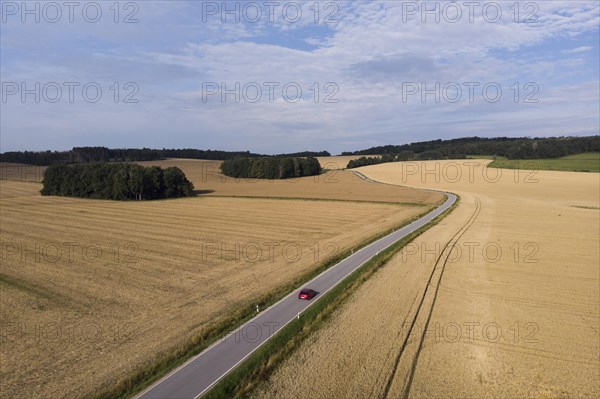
x: 511, y: 148
x: 116, y: 181
x: 270, y: 167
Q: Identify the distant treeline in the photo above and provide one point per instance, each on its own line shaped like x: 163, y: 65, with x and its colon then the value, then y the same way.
x: 271, y: 167
x: 511, y: 148
x: 402, y: 156
x: 103, y: 154
x: 116, y: 181
x: 306, y: 154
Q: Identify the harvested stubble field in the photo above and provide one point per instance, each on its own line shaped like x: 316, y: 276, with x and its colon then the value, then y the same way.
x: 338, y: 161
x: 93, y: 290
x: 332, y: 185
x: 516, y: 313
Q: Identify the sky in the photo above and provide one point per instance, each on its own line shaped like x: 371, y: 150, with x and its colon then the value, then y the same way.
x: 279, y: 76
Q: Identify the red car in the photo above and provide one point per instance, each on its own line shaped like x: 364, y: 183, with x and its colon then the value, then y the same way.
x: 307, y: 293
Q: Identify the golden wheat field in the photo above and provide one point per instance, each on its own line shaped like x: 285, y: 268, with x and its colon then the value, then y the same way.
x: 512, y: 313
x: 104, y: 287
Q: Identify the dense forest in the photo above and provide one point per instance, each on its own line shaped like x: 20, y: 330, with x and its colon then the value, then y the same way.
x: 116, y: 181
x: 103, y: 154
x: 270, y: 167
x: 511, y: 148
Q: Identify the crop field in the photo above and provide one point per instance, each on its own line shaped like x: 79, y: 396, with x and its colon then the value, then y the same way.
x: 21, y: 172
x: 105, y: 287
x: 510, y: 310
x: 333, y: 185
x: 587, y: 162
x: 338, y: 161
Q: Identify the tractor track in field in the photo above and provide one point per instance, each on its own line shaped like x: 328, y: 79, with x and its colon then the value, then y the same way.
x: 433, y: 288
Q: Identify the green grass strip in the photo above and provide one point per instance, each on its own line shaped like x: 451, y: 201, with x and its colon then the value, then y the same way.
x: 586, y: 162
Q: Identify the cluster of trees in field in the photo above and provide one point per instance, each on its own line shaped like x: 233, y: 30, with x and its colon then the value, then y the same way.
x: 116, y: 181
x: 271, y: 167
x: 511, y: 148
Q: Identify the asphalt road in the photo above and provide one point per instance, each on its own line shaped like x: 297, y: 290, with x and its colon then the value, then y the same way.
x: 203, y: 371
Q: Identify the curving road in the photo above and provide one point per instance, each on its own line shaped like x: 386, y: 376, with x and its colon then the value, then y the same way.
x: 203, y: 371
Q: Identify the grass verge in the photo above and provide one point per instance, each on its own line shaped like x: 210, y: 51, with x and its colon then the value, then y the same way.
x: 253, y: 372
x: 175, y: 356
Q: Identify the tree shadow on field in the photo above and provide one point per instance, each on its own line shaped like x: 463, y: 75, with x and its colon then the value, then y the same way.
x: 201, y: 192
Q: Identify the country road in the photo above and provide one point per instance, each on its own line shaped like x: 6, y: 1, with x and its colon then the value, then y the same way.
x: 202, y: 372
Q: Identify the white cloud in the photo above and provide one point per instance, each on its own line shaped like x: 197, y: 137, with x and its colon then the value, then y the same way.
x: 582, y: 49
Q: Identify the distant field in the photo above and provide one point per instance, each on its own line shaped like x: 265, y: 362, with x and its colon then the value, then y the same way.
x: 341, y: 185
x: 104, y: 287
x: 339, y: 161
x: 586, y: 162
x: 515, y: 313
x: 21, y: 172
x: 335, y: 184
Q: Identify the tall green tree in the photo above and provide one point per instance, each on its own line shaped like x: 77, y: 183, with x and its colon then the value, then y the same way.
x: 176, y: 184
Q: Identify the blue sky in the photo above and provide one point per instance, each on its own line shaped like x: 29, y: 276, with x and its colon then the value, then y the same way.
x: 370, y: 73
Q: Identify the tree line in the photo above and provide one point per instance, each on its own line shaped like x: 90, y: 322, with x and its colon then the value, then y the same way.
x: 104, y: 154
x: 115, y: 181
x: 511, y: 148
x: 270, y: 167
x: 402, y: 156
x: 305, y: 154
